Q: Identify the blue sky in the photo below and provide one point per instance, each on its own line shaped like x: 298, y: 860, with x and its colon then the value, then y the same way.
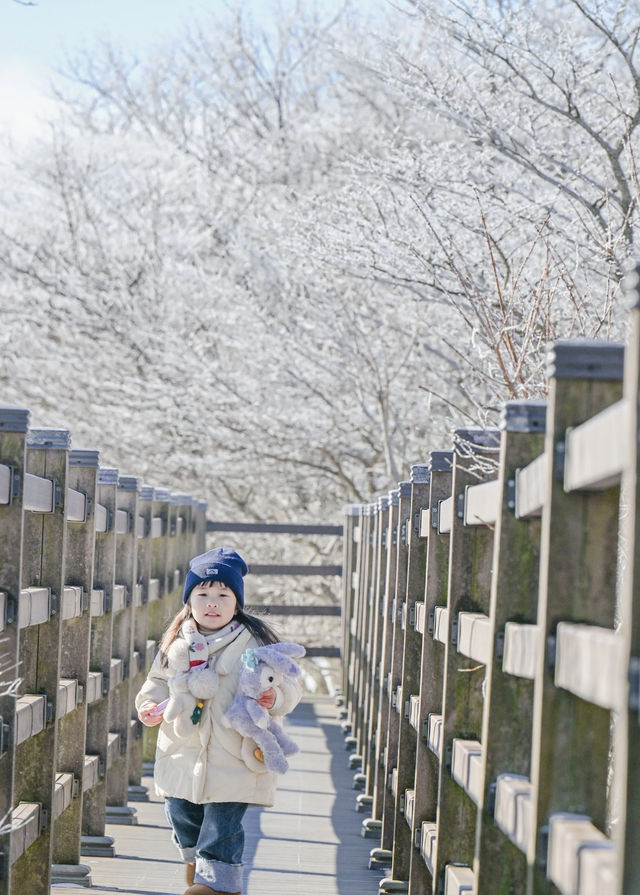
x: 34, y: 41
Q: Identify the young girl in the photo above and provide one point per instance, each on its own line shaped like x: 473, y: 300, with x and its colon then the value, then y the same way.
x: 205, y: 775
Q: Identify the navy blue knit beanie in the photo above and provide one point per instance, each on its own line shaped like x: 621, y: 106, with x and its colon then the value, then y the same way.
x: 220, y: 564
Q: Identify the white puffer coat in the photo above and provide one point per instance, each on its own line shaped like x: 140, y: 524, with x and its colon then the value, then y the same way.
x: 214, y: 763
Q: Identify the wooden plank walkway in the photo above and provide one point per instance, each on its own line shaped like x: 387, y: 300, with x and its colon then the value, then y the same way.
x: 309, y: 841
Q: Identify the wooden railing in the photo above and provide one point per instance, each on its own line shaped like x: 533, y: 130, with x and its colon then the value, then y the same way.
x: 491, y: 645
x: 91, y: 568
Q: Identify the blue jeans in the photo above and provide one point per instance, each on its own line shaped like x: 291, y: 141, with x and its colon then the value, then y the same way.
x: 211, y: 835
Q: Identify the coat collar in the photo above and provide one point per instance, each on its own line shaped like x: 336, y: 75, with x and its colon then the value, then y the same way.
x: 231, y: 654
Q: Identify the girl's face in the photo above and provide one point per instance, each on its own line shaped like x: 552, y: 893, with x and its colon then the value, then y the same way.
x: 213, y: 604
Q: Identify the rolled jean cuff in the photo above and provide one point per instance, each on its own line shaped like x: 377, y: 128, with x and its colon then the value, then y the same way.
x: 225, y: 877
x: 188, y: 854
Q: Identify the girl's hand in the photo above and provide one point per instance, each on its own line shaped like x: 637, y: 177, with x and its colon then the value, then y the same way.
x: 267, y: 699
x: 149, y: 715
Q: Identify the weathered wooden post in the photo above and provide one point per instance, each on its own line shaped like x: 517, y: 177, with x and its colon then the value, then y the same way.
x: 468, y: 592
x: 627, y: 732
x: 577, y: 583
x: 122, y: 663
x: 143, y: 651
x: 372, y: 826
x: 364, y: 801
x: 351, y: 537
x: 411, y: 649
x: 391, y: 725
x: 431, y: 665
x: 94, y: 842
x: 40, y: 621
x: 500, y: 865
x: 75, y: 667
x: 363, y: 747
x: 13, y: 431
x: 357, y: 658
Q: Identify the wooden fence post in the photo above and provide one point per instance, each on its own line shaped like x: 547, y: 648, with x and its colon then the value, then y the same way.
x: 143, y: 651
x: 364, y: 801
x: 94, y: 841
x: 577, y: 583
x: 470, y: 554
x: 500, y: 864
x: 351, y: 536
x: 36, y: 732
x: 374, y: 826
x: 364, y: 747
x: 627, y: 732
x: 75, y: 666
x: 391, y: 726
x: 13, y: 430
x: 410, y: 652
x: 431, y: 683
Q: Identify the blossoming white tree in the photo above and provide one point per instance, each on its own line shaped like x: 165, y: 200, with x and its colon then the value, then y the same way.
x: 273, y: 267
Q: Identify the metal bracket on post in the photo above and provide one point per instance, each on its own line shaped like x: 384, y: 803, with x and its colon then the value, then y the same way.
x: 511, y: 495
x: 16, y: 484
x: 550, y: 653
x: 454, y: 631
x: 10, y: 610
x: 559, y: 453
x: 499, y: 647
x: 542, y: 848
x: 431, y: 622
x: 460, y: 501
x: 434, y: 516
x: 5, y: 736
x: 634, y: 684
x: 491, y: 799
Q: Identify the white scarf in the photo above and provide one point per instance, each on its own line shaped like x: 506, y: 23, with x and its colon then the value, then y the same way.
x: 217, y: 640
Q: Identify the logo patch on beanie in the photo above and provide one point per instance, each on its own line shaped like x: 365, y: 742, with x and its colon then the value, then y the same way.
x: 213, y: 571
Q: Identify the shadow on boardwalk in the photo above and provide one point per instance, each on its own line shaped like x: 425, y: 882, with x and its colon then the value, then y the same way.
x: 308, y: 841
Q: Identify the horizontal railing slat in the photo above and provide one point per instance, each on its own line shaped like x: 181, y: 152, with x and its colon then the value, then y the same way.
x: 257, y: 569
x: 589, y: 663
x: 39, y: 494
x: 481, y: 503
x: 531, y: 488
x: 597, y: 451
x: 274, y: 528
x: 282, y: 609
x: 445, y: 515
x: 5, y: 484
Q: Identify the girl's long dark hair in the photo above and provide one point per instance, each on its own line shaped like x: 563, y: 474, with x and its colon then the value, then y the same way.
x: 259, y: 628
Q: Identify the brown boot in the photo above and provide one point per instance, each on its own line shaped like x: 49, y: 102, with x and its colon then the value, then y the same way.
x: 191, y: 872
x: 200, y: 889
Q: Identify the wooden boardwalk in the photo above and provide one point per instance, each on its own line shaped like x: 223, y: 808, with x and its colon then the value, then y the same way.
x: 308, y: 842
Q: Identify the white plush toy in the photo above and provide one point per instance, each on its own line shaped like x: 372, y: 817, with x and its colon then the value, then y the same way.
x: 192, y: 679
x: 263, y: 668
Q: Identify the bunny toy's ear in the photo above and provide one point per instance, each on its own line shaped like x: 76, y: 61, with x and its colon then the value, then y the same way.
x: 294, y: 650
